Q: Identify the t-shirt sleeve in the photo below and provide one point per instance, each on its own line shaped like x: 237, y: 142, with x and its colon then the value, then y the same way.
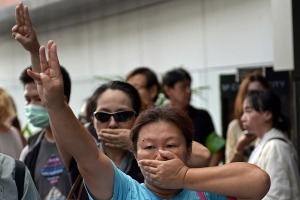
x: 124, y: 186
x: 210, y: 196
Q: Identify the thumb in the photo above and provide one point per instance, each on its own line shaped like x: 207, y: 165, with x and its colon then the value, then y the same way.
x: 19, y: 37
x: 168, y: 155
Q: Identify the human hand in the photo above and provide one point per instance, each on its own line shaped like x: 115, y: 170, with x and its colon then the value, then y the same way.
x: 116, y: 138
x: 245, y: 140
x: 49, y: 81
x: 23, y: 31
x: 168, y: 174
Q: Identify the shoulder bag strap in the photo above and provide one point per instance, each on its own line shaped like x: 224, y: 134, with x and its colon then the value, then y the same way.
x: 74, y: 187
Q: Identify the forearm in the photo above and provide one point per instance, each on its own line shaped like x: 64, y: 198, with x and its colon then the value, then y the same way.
x: 35, y: 61
x: 64, y: 154
x: 233, y: 179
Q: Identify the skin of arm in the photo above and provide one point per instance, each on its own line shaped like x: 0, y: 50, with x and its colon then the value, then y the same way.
x: 24, y: 33
x: 94, y: 166
x: 200, y: 156
x: 216, y: 158
x: 227, y: 179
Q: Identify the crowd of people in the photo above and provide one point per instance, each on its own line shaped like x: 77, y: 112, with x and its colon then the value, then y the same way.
x: 123, y: 145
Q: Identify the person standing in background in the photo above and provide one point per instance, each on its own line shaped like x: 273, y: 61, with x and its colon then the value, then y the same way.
x: 177, y: 88
x: 254, y: 81
x: 146, y: 83
x: 10, y: 140
x: 275, y: 153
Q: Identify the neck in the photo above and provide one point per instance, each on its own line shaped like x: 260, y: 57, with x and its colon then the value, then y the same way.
x: 4, y: 128
x: 48, y: 135
x: 177, y: 106
x: 162, y: 193
x: 264, y: 131
x: 115, y: 154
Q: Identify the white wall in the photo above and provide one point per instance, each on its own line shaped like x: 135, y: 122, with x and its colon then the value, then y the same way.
x: 208, y: 37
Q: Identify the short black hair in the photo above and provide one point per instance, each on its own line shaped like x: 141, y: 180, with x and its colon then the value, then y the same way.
x: 267, y: 100
x: 172, y: 77
x: 151, y: 78
x: 25, y: 79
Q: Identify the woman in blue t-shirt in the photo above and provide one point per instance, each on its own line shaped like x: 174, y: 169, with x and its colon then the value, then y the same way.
x: 152, y: 141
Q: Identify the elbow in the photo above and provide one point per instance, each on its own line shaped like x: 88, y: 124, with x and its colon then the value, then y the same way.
x: 207, y: 157
x: 263, y: 184
x: 266, y: 183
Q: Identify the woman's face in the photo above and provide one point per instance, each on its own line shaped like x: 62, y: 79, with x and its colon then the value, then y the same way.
x: 112, y: 101
x: 252, y: 120
x: 160, y: 136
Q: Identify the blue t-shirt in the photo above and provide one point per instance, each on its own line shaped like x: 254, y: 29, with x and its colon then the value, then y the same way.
x: 126, y: 188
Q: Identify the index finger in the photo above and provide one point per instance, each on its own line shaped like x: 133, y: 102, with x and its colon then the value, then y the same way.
x: 111, y: 131
x: 149, y: 163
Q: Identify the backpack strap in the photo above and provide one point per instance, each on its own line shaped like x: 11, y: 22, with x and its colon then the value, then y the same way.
x: 19, y: 177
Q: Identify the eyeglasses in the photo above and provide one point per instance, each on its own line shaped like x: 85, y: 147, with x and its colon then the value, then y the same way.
x: 122, y: 116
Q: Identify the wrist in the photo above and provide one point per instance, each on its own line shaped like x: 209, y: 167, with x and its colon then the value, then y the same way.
x: 35, y: 51
x: 238, y: 152
x: 185, y: 182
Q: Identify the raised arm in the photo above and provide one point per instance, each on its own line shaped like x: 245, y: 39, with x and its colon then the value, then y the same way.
x: 240, y: 180
x: 94, y: 166
x: 24, y: 33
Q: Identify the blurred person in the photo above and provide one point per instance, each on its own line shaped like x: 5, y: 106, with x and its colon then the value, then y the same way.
x: 171, y: 146
x: 16, y: 123
x: 254, y: 81
x: 146, y: 83
x: 275, y: 153
x: 10, y: 140
x: 15, y: 180
x: 82, y: 116
x: 177, y: 88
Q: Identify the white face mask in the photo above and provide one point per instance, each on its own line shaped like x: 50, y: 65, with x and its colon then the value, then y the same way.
x: 37, y: 116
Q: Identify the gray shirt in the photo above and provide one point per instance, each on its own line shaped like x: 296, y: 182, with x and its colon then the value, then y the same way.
x: 51, y: 176
x: 8, y: 187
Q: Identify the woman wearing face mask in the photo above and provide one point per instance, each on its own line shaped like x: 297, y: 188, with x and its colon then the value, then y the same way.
x: 275, y: 153
x: 105, y: 181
